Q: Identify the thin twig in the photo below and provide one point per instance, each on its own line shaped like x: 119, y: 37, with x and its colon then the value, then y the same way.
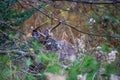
x: 21, y: 53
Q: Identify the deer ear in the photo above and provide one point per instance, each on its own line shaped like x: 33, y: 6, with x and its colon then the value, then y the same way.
x: 64, y: 36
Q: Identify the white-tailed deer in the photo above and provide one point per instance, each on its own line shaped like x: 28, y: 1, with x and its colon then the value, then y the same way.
x: 64, y: 49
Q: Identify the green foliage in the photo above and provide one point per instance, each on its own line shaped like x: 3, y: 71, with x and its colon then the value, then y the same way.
x: 10, y: 13
x: 53, y: 65
x: 112, y: 69
x: 5, y: 67
x: 53, y: 68
x: 28, y: 62
x: 36, y: 46
x: 12, y: 35
x: 89, y: 65
x: 43, y: 57
x: 30, y: 77
x: 23, y: 16
x: 11, y: 16
x: 10, y: 71
x: 74, y: 70
x: 105, y: 48
x: 6, y: 8
x: 5, y: 4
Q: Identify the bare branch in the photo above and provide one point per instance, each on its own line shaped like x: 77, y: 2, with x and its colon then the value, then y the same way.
x: 71, y: 26
x: 55, y: 26
x: 21, y: 53
x: 92, y: 1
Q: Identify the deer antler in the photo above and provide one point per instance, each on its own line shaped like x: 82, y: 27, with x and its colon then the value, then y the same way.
x: 55, y: 26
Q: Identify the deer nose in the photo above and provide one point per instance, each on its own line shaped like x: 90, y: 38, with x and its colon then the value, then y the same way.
x: 59, y: 45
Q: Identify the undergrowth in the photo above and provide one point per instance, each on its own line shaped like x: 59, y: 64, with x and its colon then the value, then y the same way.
x: 11, y: 70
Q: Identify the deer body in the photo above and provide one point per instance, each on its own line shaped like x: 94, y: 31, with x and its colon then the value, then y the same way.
x: 63, y: 48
